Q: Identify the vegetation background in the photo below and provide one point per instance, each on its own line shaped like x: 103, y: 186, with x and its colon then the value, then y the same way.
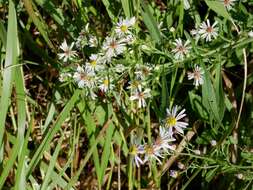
x: 52, y: 136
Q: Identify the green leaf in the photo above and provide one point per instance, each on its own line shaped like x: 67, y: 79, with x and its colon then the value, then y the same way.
x: 106, y: 152
x: 10, y: 60
x: 219, y: 93
x: 165, y: 94
x: 150, y: 22
x: 197, y: 106
x: 3, y: 34
x: 210, y: 174
x: 12, y: 53
x: 21, y: 168
x: 181, y: 18
x: 209, y: 98
x: 219, y: 8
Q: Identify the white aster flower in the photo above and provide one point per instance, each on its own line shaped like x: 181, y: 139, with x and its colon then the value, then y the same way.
x: 163, y: 140
x: 140, y: 96
x: 84, y: 77
x: 82, y: 39
x: 135, y: 85
x: 68, y: 53
x: 172, y: 29
x: 151, y: 153
x: 228, y: 3
x: 64, y: 76
x: 239, y: 176
x: 196, y: 75
x: 142, y: 71
x: 213, y: 142
x: 172, y: 120
x: 105, y: 85
x: 95, y: 63
x: 207, y: 31
x: 197, y: 152
x: 174, y: 173
x: 181, y: 50
x: 93, y: 41
x: 135, y: 150
x: 181, y: 166
x: 250, y: 34
x: 119, y: 68
x: 123, y: 26
x: 128, y: 39
x: 113, y: 47
x: 195, y: 33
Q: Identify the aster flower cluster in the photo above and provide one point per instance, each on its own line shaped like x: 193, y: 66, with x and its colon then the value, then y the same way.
x: 143, y: 153
x: 100, y: 72
x: 162, y: 145
x: 97, y: 73
x: 86, y: 38
x: 139, y: 85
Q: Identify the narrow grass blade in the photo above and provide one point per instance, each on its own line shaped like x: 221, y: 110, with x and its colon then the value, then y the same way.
x: 21, y: 168
x: 57, y: 179
x: 181, y: 18
x: 21, y: 102
x: 90, y: 128
x: 39, y: 23
x: 50, y: 8
x: 21, y: 106
x: 3, y: 34
x: 106, y: 152
x: 11, y: 59
x: 50, y: 134
x: 127, y: 7
x: 9, y: 165
x: 165, y: 95
x: 50, y: 168
x: 150, y: 22
x: 108, y: 6
x: 88, y: 155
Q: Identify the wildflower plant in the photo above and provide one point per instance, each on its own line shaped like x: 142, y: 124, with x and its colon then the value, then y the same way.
x: 131, y: 95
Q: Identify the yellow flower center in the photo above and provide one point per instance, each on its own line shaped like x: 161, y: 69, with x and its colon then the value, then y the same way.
x: 171, y: 121
x: 123, y: 28
x: 135, y: 84
x: 133, y: 150
x: 106, y: 82
x: 149, y: 150
x: 93, y: 63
